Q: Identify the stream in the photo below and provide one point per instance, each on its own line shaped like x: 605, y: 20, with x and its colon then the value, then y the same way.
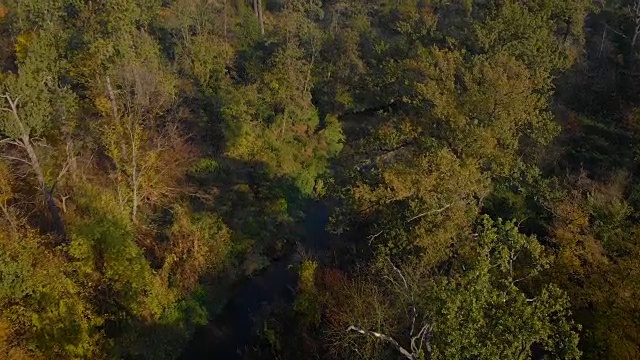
x: 229, y: 335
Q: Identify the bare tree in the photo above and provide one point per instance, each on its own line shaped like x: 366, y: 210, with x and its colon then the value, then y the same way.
x: 125, y: 151
x: 420, y: 332
x: 148, y: 154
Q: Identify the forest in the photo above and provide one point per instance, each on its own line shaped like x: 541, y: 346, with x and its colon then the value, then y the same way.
x: 319, y: 179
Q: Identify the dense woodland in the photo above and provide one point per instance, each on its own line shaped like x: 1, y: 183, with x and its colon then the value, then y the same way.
x: 475, y: 163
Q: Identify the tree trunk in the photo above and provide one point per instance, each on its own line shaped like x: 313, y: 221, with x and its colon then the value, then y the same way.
x: 135, y: 173
x: 255, y: 9
x: 226, y: 37
x: 46, y: 192
x: 260, y: 17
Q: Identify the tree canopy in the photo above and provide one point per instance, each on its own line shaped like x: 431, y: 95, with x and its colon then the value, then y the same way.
x: 307, y: 179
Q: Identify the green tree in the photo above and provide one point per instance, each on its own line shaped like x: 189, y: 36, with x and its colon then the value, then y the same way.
x: 484, y: 303
x: 34, y: 105
x: 43, y: 311
x: 140, y: 308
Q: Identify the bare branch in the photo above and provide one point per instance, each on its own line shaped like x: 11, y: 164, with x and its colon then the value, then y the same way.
x: 375, y: 236
x: 62, y: 172
x: 430, y: 212
x: 404, y: 280
x: 63, y: 199
x: 112, y: 98
x: 12, y: 102
x: 383, y: 337
x: 12, y: 142
x: 422, y: 337
x: 417, y: 340
x: 17, y: 159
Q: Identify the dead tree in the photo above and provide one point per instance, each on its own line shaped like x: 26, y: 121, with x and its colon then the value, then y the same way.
x: 419, y: 334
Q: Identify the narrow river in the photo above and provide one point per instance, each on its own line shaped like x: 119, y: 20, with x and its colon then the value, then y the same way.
x: 229, y: 335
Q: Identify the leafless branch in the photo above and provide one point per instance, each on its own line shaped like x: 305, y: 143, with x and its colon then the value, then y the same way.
x: 112, y: 99
x: 383, y: 337
x: 417, y: 340
x: 616, y: 31
x: 422, y: 337
x: 62, y: 172
x: 404, y: 280
x: 6, y: 140
x: 430, y: 212
x: 17, y: 159
x: 15, y: 143
x: 372, y: 237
